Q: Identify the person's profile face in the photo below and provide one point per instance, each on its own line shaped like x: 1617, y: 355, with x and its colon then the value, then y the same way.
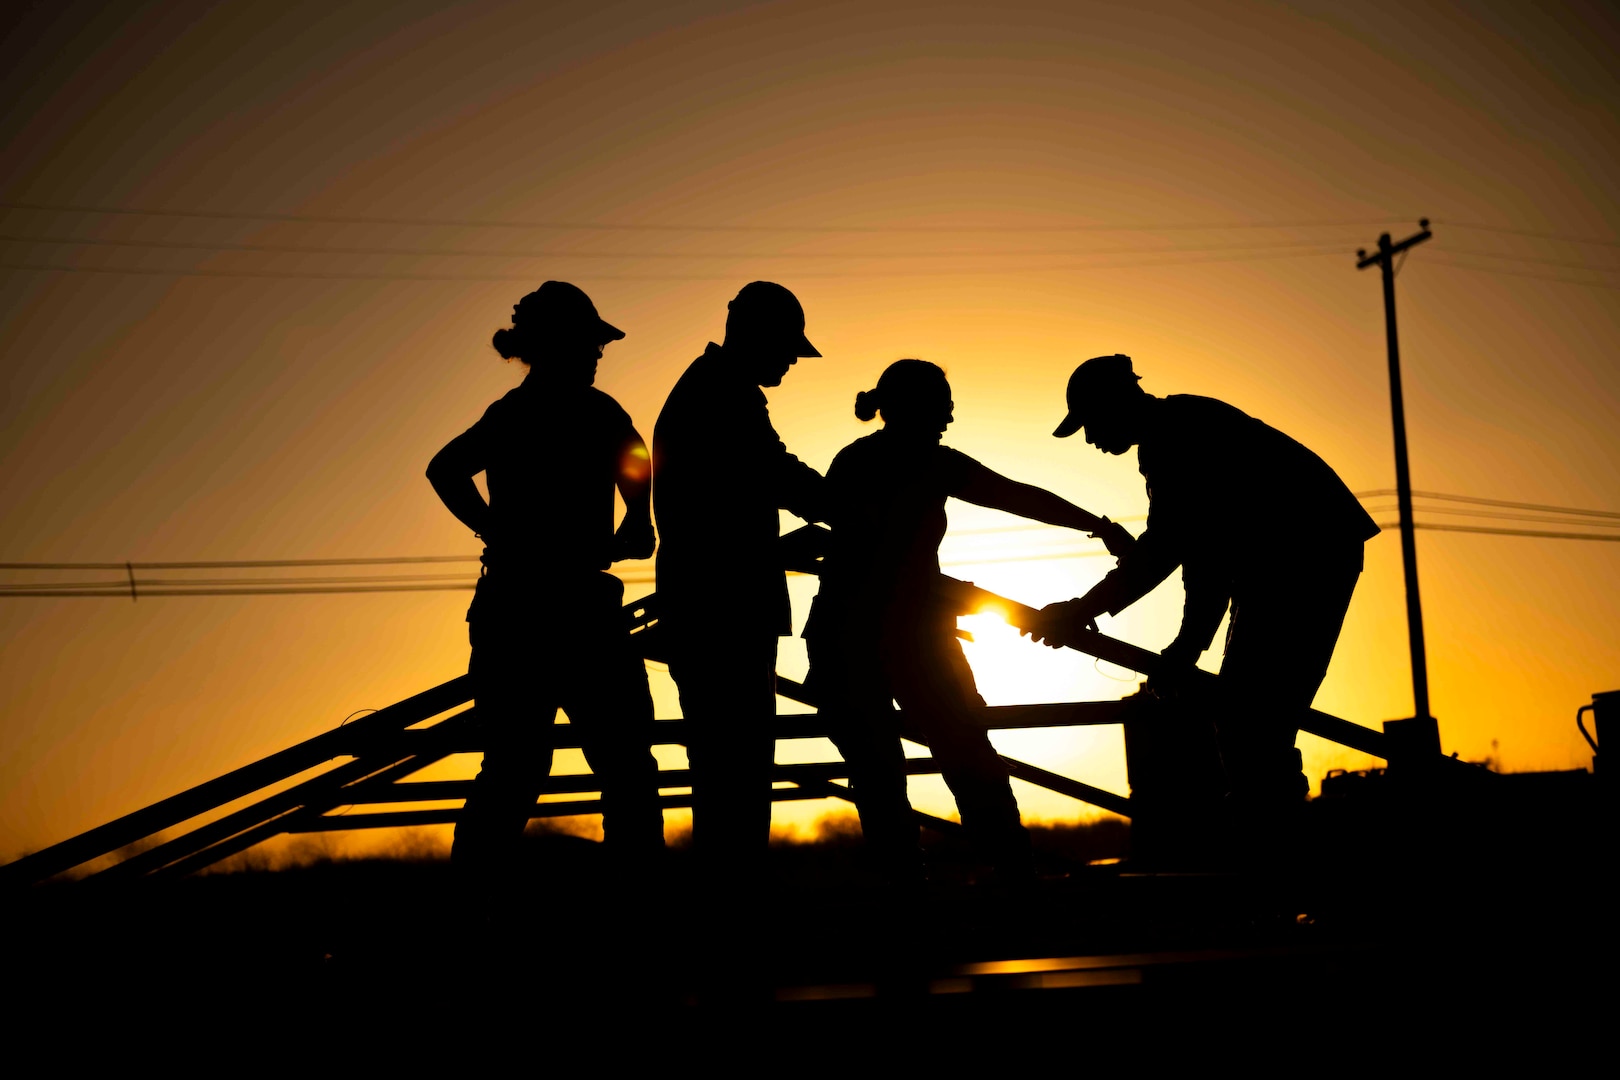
x: 574, y: 362
x: 943, y: 410
x: 771, y: 366
x: 1109, y: 433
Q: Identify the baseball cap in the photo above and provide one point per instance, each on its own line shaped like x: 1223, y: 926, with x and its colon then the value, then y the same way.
x: 1094, y: 379
x: 559, y: 306
x: 766, y: 310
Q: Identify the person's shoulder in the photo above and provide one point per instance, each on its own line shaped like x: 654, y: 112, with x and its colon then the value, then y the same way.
x: 863, y: 449
x: 1198, y: 405
x: 604, y: 404
x: 706, y: 380
x: 1193, y: 415
x: 508, y: 403
x: 954, y: 468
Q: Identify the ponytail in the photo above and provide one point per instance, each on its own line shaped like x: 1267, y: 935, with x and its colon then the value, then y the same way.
x: 899, y: 388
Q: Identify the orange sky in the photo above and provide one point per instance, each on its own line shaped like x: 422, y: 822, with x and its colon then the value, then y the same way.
x: 974, y: 185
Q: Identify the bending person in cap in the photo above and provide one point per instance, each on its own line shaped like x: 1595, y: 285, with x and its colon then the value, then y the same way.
x: 881, y: 633
x: 1254, y: 520
x: 546, y: 623
x: 721, y: 476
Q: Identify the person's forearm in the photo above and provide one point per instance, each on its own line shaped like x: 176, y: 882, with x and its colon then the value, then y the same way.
x: 985, y: 487
x: 804, y: 490
x: 462, y: 498
x: 1038, y: 504
x: 1200, y: 618
x: 1147, y: 567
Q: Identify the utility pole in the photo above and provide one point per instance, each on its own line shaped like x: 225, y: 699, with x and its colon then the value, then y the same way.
x: 1421, y: 733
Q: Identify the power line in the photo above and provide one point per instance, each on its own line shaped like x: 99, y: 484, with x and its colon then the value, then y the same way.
x: 305, y: 249
x: 1545, y: 519
x: 303, y: 590
x: 1559, y: 237
x: 383, y: 584
x: 1147, y: 263
x: 1506, y: 532
x: 600, y: 226
x: 457, y: 582
x: 243, y: 564
x: 1439, y: 259
x: 1564, y: 263
x: 145, y: 584
x: 329, y: 276
x: 1491, y: 502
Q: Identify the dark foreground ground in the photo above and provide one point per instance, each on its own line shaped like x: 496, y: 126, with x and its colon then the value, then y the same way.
x: 1344, y: 962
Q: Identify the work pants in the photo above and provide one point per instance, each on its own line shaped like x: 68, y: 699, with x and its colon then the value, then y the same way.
x: 726, y: 677
x: 858, y: 680
x: 1279, y: 642
x: 535, y: 650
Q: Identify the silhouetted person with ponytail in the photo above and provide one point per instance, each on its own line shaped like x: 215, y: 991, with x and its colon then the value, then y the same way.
x: 721, y: 476
x: 880, y: 633
x: 546, y: 622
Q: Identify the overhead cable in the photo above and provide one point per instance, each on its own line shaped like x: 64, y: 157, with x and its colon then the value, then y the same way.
x: 1381, y: 492
x: 1435, y: 526
x: 306, y: 249
x: 602, y: 226
x: 1146, y: 262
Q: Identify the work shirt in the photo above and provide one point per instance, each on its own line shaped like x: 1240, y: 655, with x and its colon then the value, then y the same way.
x: 551, y: 457
x: 886, y: 508
x: 1238, y: 505
x: 720, y: 474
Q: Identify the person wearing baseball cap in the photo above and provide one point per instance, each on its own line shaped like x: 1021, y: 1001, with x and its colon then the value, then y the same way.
x: 721, y: 475
x: 546, y: 621
x: 1256, y: 522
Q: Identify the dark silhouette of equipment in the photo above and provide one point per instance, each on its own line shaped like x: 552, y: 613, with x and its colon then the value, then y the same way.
x: 1604, y: 704
x: 1421, y: 731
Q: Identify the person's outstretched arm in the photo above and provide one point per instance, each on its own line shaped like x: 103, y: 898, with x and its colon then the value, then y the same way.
x: 634, y: 538
x: 986, y: 487
x: 451, y: 473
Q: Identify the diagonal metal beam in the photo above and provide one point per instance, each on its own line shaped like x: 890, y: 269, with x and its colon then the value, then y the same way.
x: 326, y: 790
x: 351, y: 739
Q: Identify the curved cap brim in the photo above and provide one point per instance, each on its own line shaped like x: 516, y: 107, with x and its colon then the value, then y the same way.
x: 1071, y: 424
x: 610, y: 332
x: 805, y: 348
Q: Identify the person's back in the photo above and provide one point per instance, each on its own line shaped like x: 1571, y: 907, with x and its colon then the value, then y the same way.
x: 721, y: 473
x: 886, y: 508
x: 1213, y: 467
x: 554, y: 456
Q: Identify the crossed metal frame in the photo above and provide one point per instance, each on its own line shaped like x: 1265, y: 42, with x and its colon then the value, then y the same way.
x: 383, y: 750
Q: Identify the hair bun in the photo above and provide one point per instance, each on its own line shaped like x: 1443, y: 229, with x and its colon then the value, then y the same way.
x: 866, y: 404
x: 506, y: 343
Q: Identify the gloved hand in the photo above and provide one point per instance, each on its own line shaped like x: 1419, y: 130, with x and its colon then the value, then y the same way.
x: 1061, y: 620
x: 1178, y: 660
x: 1114, y: 537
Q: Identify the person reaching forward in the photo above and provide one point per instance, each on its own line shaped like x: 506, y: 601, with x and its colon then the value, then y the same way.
x: 880, y: 632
